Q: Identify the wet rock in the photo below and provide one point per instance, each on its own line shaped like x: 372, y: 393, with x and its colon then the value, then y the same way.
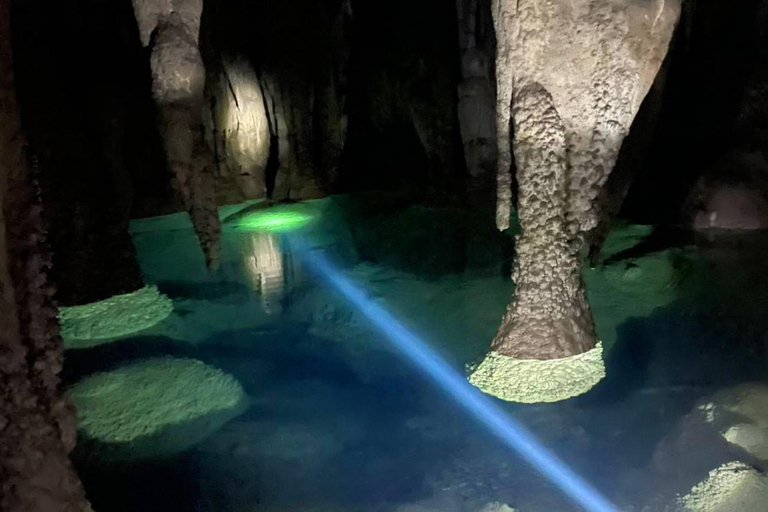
x: 731, y: 425
x: 154, y: 407
x: 730, y: 487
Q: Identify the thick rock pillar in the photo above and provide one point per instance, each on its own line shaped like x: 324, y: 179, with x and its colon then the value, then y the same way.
x: 171, y: 28
x: 571, y: 75
x: 37, y: 427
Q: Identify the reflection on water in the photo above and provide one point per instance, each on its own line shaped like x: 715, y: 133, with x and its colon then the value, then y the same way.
x: 264, y: 263
x: 337, y: 421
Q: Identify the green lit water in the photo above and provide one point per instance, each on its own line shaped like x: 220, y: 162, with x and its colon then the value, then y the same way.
x: 334, y: 421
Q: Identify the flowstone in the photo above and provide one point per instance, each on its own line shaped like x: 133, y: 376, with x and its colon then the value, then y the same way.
x: 538, y: 380
x: 83, y: 326
x: 154, y: 407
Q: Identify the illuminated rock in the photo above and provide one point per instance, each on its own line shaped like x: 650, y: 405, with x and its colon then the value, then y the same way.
x: 154, y: 407
x: 114, y: 317
x: 731, y: 487
x: 171, y: 29
x: 244, y: 127
x: 534, y: 381
x: 571, y: 76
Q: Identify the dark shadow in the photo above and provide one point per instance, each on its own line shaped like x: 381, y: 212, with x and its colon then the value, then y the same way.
x: 228, y: 291
x: 627, y: 366
x: 156, y: 486
x: 80, y: 363
x: 661, y: 239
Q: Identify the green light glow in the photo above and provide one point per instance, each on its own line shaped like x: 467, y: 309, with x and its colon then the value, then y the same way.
x: 274, y: 221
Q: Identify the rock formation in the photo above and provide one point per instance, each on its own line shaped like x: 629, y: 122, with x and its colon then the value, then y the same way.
x: 476, y: 100
x: 89, y: 142
x: 171, y: 29
x: 571, y: 76
x: 37, y: 428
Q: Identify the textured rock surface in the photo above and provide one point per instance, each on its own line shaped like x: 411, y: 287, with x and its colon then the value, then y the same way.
x: 731, y: 487
x: 154, y: 407
x: 241, y: 130
x: 571, y: 75
x: 731, y: 425
x: 36, y: 424
x: 533, y: 381
x: 740, y: 415
x: 113, y: 317
x: 172, y: 29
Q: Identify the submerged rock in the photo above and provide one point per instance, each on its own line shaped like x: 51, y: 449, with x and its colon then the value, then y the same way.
x: 535, y: 381
x: 740, y: 415
x: 89, y: 324
x: 727, y: 428
x: 154, y: 407
x: 731, y: 487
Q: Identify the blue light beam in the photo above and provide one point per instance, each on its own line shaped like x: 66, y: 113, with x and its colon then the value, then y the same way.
x: 503, y: 426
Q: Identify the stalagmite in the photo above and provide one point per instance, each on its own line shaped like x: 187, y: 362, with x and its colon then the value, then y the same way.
x: 37, y: 427
x: 571, y: 75
x: 171, y: 29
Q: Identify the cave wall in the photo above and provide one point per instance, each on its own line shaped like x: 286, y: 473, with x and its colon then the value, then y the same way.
x: 403, y: 122
x: 37, y: 427
x: 83, y: 108
x: 710, y: 107
x: 289, y: 59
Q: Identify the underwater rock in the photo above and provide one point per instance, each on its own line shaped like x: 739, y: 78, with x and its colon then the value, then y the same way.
x: 740, y: 415
x: 731, y: 487
x: 121, y: 315
x: 153, y: 407
x: 728, y: 426
x: 444, y: 504
x: 535, y: 381
x: 497, y: 507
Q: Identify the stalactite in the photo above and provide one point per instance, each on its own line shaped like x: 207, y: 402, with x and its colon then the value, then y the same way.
x: 476, y: 100
x: 37, y: 427
x: 171, y: 29
x: 587, y: 64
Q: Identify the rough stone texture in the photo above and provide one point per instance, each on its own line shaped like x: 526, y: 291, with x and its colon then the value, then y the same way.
x: 241, y: 131
x: 731, y: 487
x: 171, y: 28
x: 535, y: 381
x: 154, y: 407
x: 549, y: 317
x: 36, y: 424
x: 575, y: 73
x: 83, y: 326
x: 740, y: 415
x: 731, y: 425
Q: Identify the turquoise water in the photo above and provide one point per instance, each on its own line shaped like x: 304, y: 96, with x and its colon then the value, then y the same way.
x: 336, y: 421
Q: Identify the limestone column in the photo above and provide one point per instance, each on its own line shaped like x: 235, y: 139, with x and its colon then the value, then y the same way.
x: 571, y: 75
x: 37, y: 427
x: 171, y: 28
